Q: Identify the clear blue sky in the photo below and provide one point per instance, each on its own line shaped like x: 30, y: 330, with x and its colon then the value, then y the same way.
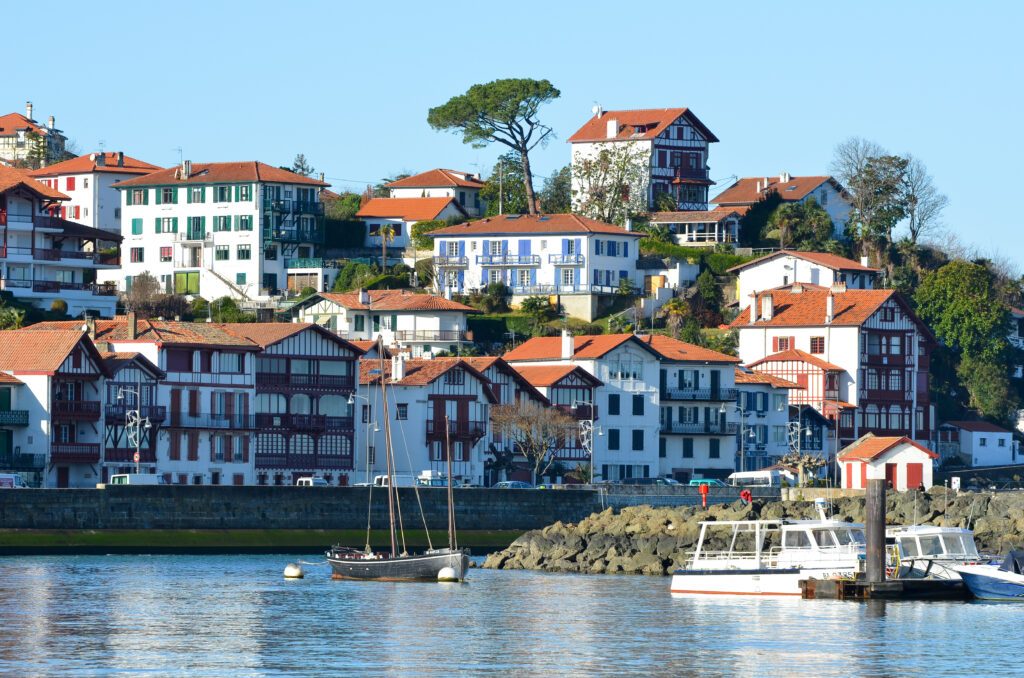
x: 349, y: 85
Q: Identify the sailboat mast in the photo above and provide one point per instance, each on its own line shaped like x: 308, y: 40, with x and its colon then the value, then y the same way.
x: 451, y: 506
x: 389, y: 462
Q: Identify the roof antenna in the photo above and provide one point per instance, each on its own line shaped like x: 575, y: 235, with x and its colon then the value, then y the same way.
x: 102, y: 144
x: 181, y: 157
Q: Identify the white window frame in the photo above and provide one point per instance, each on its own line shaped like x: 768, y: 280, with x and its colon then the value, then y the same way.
x: 568, y: 277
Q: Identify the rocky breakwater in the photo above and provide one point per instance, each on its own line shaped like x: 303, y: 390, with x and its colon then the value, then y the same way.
x: 655, y: 541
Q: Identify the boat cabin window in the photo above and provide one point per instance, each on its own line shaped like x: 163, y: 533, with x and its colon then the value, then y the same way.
x: 909, y: 547
x: 849, y: 537
x: 931, y: 545
x: 953, y: 544
x: 970, y: 549
x: 796, y: 539
x: 824, y: 538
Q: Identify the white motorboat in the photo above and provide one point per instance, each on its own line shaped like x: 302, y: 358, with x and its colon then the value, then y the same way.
x: 996, y: 582
x: 770, y: 557
x: 930, y: 551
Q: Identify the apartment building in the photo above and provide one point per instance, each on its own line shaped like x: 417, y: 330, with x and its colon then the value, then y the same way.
x: 462, y: 187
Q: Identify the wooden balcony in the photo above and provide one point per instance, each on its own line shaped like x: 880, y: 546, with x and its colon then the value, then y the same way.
x: 719, y: 395
x: 319, y: 382
x: 430, y: 335
x: 313, y: 423
x: 579, y: 412
x: 566, y: 259
x: 304, y: 462
x: 13, y: 417
x: 457, y: 429
x: 75, y: 453
x: 508, y: 259
x: 211, y: 421
x: 79, y: 410
x: 156, y: 414
x: 457, y: 262
x: 700, y: 428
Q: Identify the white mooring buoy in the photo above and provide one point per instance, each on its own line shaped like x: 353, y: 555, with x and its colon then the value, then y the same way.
x: 447, y: 574
x: 293, y: 571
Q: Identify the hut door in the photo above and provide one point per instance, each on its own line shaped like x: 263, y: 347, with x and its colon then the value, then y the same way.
x: 915, y: 475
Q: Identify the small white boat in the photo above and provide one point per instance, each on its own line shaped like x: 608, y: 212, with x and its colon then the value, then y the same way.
x: 770, y: 557
x: 996, y: 582
x: 930, y: 551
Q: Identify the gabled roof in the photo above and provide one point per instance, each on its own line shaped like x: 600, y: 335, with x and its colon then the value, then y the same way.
x: 870, y: 447
x: 807, y: 308
x: 586, y: 347
x: 390, y: 300
x: 672, y: 349
x: 418, y: 372
x: 484, y: 363
x: 367, y: 345
x: 743, y: 377
x: 714, y: 216
x: 220, y: 173
x: 25, y: 352
x: 406, y: 209
x: 513, y: 224
x: 90, y: 162
x: 9, y: 379
x: 833, y: 261
x: 977, y: 426
x: 744, y: 191
x: 11, y: 178
x: 160, y: 332
x: 653, y: 122
x: 12, y: 122
x: 117, y: 361
x: 797, y: 355
x: 438, y: 178
x: 268, y: 334
x: 543, y: 376
x: 73, y: 229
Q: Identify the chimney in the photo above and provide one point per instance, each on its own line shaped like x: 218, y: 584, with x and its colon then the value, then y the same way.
x: 629, y: 223
x: 177, y: 318
x: 830, y: 304
x: 568, y: 346
x: 28, y: 110
x: 797, y: 288
x: 785, y: 177
x: 398, y: 367
x: 50, y: 122
x: 90, y: 327
x: 133, y: 326
x: 838, y: 287
x: 186, y: 169
x: 753, y: 307
x: 100, y: 159
x: 322, y: 177
x: 864, y: 261
x: 612, y: 128
x: 598, y: 111
x: 120, y: 158
x: 766, y: 307
x: 758, y: 185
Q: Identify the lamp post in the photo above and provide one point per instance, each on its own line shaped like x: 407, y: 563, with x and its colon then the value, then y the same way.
x: 134, y: 422
x: 586, y: 433
x: 745, y: 431
x: 352, y: 401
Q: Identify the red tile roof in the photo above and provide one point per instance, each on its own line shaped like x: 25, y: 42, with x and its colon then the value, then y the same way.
x: 543, y: 376
x: 11, y: 177
x: 9, y: 379
x: 222, y: 172
x: 513, y: 224
x: 807, y: 308
x: 764, y: 378
x: 27, y: 352
x: 441, y: 178
x: 268, y: 334
x: 418, y: 372
x: 744, y: 191
x: 833, y: 261
x: 161, y: 332
x: 654, y: 121
x: 368, y: 345
x: 394, y: 300
x: 550, y: 348
x: 406, y: 209
x: 673, y: 349
x: 117, y: 361
x: 714, y: 216
x: 484, y: 363
x: 86, y: 164
x: 870, y: 447
x: 797, y: 355
x: 978, y: 426
x: 12, y: 122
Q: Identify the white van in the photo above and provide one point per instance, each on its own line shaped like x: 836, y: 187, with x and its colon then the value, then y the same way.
x: 136, y: 479
x: 12, y: 481
x: 766, y: 478
x: 401, y: 480
x: 312, y: 481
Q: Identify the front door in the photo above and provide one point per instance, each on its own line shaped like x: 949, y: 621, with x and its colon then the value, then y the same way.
x: 63, y: 476
x: 715, y: 383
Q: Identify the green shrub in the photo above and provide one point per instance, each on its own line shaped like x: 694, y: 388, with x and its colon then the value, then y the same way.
x: 59, y: 306
x: 420, y: 228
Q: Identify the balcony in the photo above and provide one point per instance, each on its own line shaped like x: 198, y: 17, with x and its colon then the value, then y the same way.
x: 508, y: 259
x: 13, y: 417
x: 456, y: 429
x: 566, y: 259
x: 304, y: 262
x: 700, y: 428
x: 212, y: 421
x: 74, y: 453
x: 155, y: 413
x: 273, y: 380
x: 127, y: 454
x: 430, y: 335
x: 451, y: 262
x: 80, y: 410
x: 47, y: 222
x: 22, y: 462
x: 707, y: 394
x: 879, y: 395
x: 314, y: 423
x: 294, y: 207
x: 885, y: 359
x: 305, y: 462
x: 579, y: 412
x: 564, y: 289
x: 193, y: 237
x: 694, y: 174
x: 281, y: 234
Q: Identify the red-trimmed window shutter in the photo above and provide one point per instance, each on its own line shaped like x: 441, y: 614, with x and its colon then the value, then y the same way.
x: 193, y: 444
x: 245, y: 449
x: 71, y: 183
x: 175, y: 452
x: 193, y: 403
x: 775, y: 344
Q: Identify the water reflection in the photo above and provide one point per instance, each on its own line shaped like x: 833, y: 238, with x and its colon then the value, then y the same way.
x: 236, y: 615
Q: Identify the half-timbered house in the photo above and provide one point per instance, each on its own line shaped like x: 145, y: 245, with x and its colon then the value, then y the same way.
x: 133, y: 385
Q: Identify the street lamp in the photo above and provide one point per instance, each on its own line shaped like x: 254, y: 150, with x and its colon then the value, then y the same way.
x: 746, y: 431
x: 586, y: 433
x: 134, y: 422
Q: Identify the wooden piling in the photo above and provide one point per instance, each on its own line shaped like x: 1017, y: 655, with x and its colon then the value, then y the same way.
x: 874, y: 528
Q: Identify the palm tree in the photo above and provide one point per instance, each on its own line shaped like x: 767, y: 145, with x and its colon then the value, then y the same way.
x: 675, y: 312
x: 387, y: 234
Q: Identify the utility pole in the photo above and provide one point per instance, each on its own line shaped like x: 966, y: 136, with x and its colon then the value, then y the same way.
x: 501, y: 186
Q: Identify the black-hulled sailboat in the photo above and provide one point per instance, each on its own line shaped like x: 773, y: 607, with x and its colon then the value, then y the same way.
x: 444, y: 564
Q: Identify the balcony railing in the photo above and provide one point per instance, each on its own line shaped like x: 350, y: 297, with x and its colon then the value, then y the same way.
x: 707, y: 394
x: 126, y: 454
x: 700, y: 428
x: 41, y: 221
x: 508, y: 259
x: 294, y: 207
x: 305, y: 422
x: 22, y: 462
x: 579, y: 411
x: 691, y: 173
x: 457, y: 428
x: 430, y: 335
x: 75, y: 453
x: 304, y: 462
x: 885, y: 359
x: 155, y: 413
x: 451, y: 261
x: 885, y: 396
x: 193, y: 236
x: 85, y: 410
x: 565, y: 289
x: 566, y: 259
x: 13, y: 417
x: 304, y: 262
x: 211, y: 421
x: 340, y: 382
x: 313, y: 235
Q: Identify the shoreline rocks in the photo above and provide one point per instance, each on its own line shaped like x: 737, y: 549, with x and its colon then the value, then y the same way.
x: 656, y: 541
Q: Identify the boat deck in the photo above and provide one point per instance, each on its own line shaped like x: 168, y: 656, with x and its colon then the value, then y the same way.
x: 892, y: 589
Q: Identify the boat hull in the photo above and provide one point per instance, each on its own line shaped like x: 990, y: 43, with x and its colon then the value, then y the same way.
x: 765, y: 582
x: 988, y: 582
x: 420, y: 567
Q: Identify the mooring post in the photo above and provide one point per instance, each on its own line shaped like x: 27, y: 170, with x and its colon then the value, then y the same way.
x: 874, y: 527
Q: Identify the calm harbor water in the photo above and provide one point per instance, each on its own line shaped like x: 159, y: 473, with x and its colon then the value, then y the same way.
x: 236, y: 615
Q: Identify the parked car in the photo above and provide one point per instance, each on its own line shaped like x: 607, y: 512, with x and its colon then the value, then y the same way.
x: 312, y: 481
x: 647, y: 481
x: 12, y: 480
x: 710, y: 482
x: 513, y: 485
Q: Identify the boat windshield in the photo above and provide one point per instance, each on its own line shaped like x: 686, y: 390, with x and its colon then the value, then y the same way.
x: 931, y: 545
x: 850, y: 537
x: 796, y: 539
x: 970, y: 548
x: 909, y: 546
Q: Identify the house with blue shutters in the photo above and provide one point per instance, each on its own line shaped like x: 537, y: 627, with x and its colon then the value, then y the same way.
x: 576, y: 261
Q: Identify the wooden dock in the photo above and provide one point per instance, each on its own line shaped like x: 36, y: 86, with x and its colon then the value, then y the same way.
x: 890, y: 589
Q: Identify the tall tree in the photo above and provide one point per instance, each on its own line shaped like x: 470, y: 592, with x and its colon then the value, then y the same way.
x: 556, y: 196
x: 923, y: 202
x: 534, y: 431
x: 611, y: 183
x: 874, y: 179
x: 301, y: 166
x: 504, y: 191
x: 801, y: 225
x: 144, y: 292
x: 502, y: 111
x: 753, y: 223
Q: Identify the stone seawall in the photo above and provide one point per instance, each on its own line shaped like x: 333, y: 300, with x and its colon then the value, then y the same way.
x: 175, y: 507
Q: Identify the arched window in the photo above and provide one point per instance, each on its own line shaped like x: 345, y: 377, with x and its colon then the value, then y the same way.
x: 897, y: 418
x: 333, y: 406
x: 302, y: 445
x: 300, y: 404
